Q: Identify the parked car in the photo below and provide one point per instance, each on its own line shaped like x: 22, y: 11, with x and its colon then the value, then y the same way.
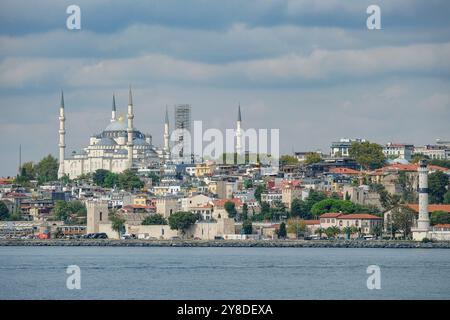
x: 88, y: 236
x: 101, y: 235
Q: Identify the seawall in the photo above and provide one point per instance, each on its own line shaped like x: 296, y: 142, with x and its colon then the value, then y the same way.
x: 228, y: 243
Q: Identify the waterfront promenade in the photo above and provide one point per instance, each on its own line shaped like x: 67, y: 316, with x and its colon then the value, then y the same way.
x: 229, y: 243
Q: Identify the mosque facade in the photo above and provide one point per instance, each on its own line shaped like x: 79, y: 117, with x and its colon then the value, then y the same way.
x: 118, y: 147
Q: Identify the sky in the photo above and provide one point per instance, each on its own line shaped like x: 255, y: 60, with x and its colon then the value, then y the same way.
x: 309, y: 68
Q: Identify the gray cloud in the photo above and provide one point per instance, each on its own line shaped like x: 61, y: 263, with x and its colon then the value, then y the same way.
x: 310, y: 68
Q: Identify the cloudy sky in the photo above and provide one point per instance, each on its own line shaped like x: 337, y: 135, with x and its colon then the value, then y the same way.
x: 310, y: 68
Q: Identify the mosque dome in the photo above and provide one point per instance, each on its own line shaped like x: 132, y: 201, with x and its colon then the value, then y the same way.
x: 118, y: 125
x: 106, y: 142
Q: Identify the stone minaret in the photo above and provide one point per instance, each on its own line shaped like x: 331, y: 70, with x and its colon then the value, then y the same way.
x: 423, y: 223
x: 166, y: 136
x: 113, y: 112
x: 62, y: 136
x: 239, y: 132
x: 130, y: 130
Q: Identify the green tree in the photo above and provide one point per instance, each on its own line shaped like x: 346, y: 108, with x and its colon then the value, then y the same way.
x: 298, y: 208
x: 47, y: 169
x: 248, y: 184
x: 258, y: 191
x: 333, y: 205
x: 244, y: 211
x: 288, y: 160
x: 230, y: 208
x: 378, y: 230
x: 282, y: 232
x: 27, y: 173
x: 247, y: 227
x: 332, y: 231
x: 182, y: 220
x: 70, y: 211
x: 278, y: 210
x: 117, y: 223
x: 128, y: 180
x: 418, y: 156
x: 61, y: 210
x: 155, y: 178
x: 99, y: 177
x: 344, y: 206
x: 4, y: 212
x: 367, y: 154
x: 403, y: 219
x: 439, y: 217
x: 296, y: 226
x: 313, y: 157
x: 111, y: 180
x: 154, y: 219
x: 447, y: 197
x: 437, y: 185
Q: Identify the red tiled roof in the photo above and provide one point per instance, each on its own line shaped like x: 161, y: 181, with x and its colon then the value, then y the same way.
x: 330, y: 215
x: 311, y: 222
x: 412, y: 167
x: 431, y: 207
x: 350, y: 216
x: 365, y: 216
x: 345, y: 171
x: 221, y: 202
x: 443, y: 225
x: 294, y: 183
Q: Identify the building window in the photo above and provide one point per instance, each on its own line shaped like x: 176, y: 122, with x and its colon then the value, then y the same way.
x: 101, y: 216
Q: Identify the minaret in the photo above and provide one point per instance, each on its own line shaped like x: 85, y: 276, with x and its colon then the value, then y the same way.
x: 130, y: 130
x: 423, y: 223
x: 113, y: 112
x: 166, y: 148
x: 239, y: 132
x: 62, y: 135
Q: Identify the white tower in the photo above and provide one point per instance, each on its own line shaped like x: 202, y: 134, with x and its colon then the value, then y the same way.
x: 423, y: 223
x: 130, y: 130
x: 239, y: 132
x: 113, y: 112
x: 166, y: 136
x: 62, y: 135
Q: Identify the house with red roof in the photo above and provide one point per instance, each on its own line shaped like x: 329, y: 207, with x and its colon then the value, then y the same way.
x: 363, y: 221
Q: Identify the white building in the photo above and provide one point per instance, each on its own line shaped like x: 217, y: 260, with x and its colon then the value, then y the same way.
x: 341, y: 148
x: 398, y: 150
x: 118, y: 147
x: 438, y: 152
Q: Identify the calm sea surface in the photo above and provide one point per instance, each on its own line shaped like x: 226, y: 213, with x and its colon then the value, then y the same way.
x: 223, y: 273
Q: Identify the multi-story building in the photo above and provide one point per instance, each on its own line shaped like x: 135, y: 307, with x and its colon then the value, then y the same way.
x: 363, y: 221
x: 289, y: 192
x: 341, y: 148
x: 438, y: 152
x: 272, y: 196
x: 398, y: 150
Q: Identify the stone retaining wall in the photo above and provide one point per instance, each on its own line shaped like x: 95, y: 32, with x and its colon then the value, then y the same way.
x: 228, y: 243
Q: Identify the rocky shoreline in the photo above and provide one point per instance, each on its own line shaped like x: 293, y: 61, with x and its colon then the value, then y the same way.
x: 228, y: 243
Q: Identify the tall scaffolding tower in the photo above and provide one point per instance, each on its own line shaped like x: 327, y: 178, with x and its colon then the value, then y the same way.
x: 183, y: 126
